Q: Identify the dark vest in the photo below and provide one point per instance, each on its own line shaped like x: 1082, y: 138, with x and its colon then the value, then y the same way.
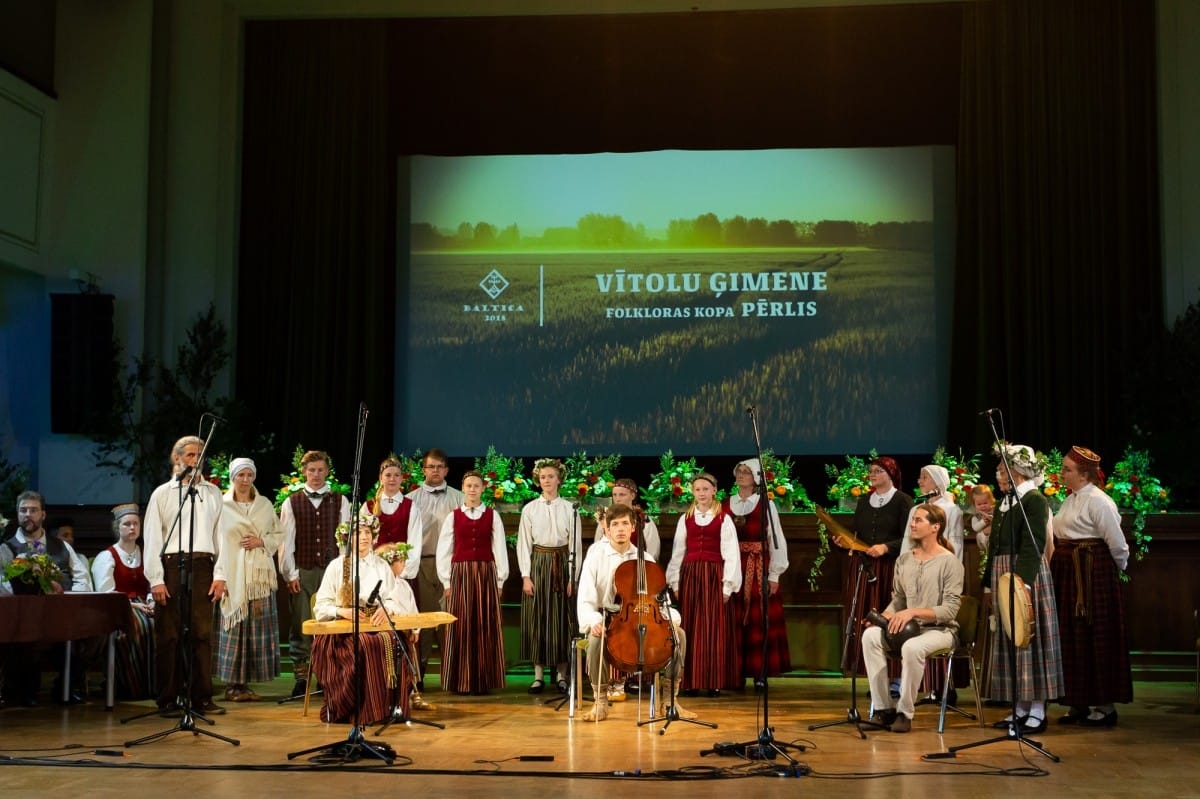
x: 472, y: 538
x: 393, y: 528
x: 316, y: 545
x: 704, y: 543
x: 128, y: 580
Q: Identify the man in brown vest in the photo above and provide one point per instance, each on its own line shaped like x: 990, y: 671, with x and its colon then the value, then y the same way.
x: 310, y: 519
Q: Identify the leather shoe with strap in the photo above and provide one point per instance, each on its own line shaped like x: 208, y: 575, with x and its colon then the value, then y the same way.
x: 209, y: 708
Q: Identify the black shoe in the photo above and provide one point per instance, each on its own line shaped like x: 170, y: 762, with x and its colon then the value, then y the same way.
x: 690, y: 693
x: 883, y: 718
x: 1032, y: 725
x: 300, y: 686
x: 714, y: 693
x: 537, y: 686
x: 1005, y: 723
x: 1074, y: 715
x: 1107, y: 720
x: 633, y: 686
x: 209, y: 708
x: 760, y: 686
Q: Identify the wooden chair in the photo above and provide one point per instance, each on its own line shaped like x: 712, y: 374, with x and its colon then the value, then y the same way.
x: 968, y: 629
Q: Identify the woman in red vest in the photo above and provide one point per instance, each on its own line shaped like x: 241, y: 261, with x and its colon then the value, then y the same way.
x: 472, y: 563
x: 119, y: 568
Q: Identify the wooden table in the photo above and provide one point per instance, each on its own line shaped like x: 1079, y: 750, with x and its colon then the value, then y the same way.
x: 50, y: 618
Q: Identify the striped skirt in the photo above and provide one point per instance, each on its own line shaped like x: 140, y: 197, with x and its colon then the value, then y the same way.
x: 473, y: 646
x: 1039, y: 665
x: 249, y: 651
x: 385, y: 677
x: 1091, y: 624
x: 713, y: 650
x: 746, y: 607
x: 134, y: 658
x: 547, y: 617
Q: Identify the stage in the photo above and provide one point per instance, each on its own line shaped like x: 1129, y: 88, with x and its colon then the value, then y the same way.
x: 51, y: 749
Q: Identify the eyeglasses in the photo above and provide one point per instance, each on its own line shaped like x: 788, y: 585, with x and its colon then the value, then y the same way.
x: 437, y: 467
x: 876, y: 470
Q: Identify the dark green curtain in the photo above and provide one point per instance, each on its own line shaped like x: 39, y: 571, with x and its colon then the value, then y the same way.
x: 316, y: 283
x: 1058, y: 284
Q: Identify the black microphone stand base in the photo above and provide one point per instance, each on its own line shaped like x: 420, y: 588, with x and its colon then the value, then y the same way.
x: 765, y: 747
x: 354, y: 748
x: 187, y: 723
x: 852, y: 717
x: 1013, y: 734
x: 671, y: 715
x: 398, y: 716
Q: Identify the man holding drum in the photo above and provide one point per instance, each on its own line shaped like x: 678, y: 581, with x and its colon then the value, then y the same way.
x: 927, y: 588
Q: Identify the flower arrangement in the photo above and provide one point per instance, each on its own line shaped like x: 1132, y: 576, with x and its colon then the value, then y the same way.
x: 295, y: 481
x: 1134, y: 488
x: 589, y: 479
x: 1054, y: 489
x: 342, y: 532
x: 785, y: 492
x: 504, y: 482
x: 671, y: 486
x: 218, y: 471
x: 33, y: 568
x: 395, y: 552
x: 964, y: 474
x: 851, y: 481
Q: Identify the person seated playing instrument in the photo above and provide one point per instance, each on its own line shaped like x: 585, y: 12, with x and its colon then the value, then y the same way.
x: 385, y: 671
x: 596, y: 594
x: 927, y: 587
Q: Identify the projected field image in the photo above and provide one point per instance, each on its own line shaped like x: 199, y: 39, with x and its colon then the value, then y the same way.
x: 558, y: 365
x: 639, y: 302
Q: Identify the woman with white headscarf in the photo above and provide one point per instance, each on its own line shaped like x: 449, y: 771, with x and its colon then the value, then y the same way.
x: 249, y: 640
x: 934, y: 482
x: 1021, y: 528
x: 746, y: 604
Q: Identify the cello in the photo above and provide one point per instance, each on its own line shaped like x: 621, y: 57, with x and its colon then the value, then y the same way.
x: 638, y: 637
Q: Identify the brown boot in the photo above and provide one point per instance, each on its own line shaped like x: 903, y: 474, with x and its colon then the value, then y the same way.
x: 418, y: 702
x: 665, y: 701
x: 599, y: 711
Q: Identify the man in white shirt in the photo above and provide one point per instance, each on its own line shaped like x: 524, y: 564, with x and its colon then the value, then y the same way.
x: 180, y: 547
x: 435, y: 499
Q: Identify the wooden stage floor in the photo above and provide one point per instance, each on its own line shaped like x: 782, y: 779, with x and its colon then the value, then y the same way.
x: 51, y: 749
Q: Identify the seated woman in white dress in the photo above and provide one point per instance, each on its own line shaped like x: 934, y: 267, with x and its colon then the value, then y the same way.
x: 385, y: 676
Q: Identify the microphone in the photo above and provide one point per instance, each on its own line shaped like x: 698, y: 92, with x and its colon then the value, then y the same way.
x: 575, y: 505
x: 926, y: 497
x: 184, y: 474
x: 750, y: 410
x: 989, y: 412
x: 374, y: 597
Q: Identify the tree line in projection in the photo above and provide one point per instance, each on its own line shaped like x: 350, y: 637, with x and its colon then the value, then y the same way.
x: 612, y: 232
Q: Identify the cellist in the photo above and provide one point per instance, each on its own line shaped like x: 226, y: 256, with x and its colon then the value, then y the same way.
x: 596, y: 594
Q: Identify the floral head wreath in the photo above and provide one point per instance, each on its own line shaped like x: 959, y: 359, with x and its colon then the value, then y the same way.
x: 550, y: 463
x: 1024, y: 459
x: 371, y: 522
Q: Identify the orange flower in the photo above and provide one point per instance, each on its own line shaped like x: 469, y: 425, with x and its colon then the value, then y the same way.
x: 855, y: 491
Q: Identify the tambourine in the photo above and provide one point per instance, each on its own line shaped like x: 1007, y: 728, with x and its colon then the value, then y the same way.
x: 1019, y: 628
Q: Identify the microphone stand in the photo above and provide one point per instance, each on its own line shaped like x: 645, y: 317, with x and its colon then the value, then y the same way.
x: 356, y: 745
x: 672, y: 713
x: 185, y: 654
x: 765, y: 747
x: 570, y: 699
x: 1015, y: 724
x: 397, y: 714
x: 852, y: 714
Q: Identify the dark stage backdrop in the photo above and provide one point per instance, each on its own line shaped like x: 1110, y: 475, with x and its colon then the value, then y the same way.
x: 1049, y: 105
